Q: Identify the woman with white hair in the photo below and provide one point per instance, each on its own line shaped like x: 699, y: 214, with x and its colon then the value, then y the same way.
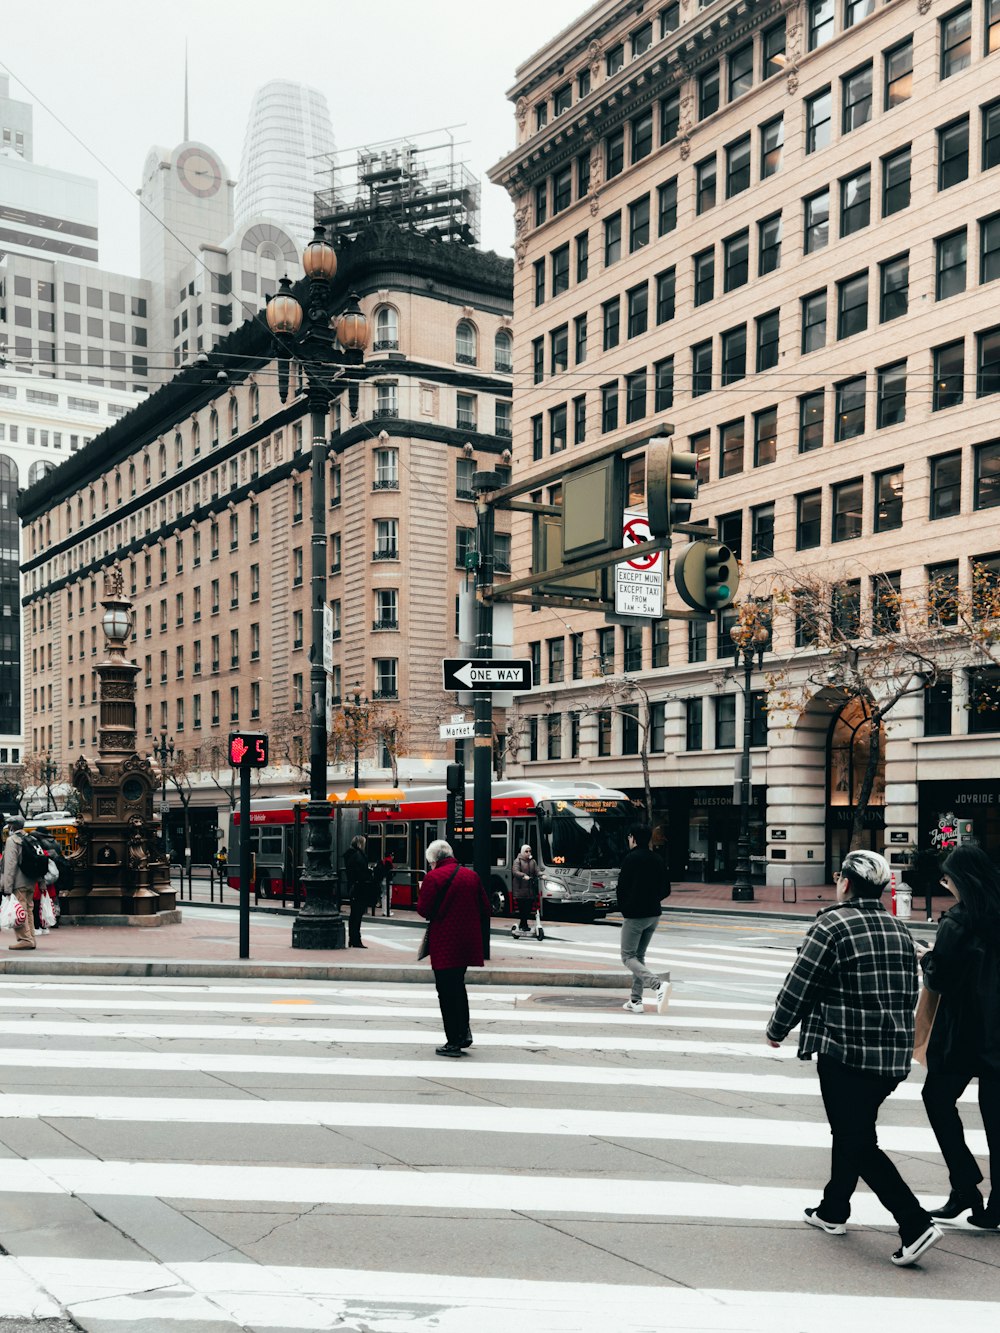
x: 524, y: 879
x: 454, y: 901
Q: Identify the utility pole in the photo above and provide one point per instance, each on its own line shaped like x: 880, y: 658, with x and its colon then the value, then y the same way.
x: 482, y: 742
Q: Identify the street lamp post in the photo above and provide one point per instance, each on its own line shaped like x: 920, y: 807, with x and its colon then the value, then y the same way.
x: 355, y: 712
x: 322, y: 343
x: 49, y: 773
x: 750, y: 639
x: 164, y: 753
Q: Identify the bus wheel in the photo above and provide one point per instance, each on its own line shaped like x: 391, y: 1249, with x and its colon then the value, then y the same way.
x: 498, y: 898
x: 263, y: 887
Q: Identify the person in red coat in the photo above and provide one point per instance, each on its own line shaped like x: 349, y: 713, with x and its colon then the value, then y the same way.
x: 453, y: 900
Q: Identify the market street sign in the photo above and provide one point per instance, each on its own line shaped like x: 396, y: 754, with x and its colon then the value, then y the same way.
x: 486, y: 674
x: 456, y: 731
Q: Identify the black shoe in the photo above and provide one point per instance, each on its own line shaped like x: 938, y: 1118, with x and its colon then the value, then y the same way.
x: 466, y: 1041
x: 356, y: 944
x: 957, y: 1203
x: 449, y: 1049
x: 986, y: 1219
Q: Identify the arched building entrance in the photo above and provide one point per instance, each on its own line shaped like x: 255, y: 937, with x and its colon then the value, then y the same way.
x: 848, y: 749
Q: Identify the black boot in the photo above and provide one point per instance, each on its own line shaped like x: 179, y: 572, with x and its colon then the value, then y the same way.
x: 957, y: 1203
x: 988, y: 1218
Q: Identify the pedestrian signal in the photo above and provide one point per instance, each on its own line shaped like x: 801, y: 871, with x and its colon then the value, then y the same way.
x: 248, y: 749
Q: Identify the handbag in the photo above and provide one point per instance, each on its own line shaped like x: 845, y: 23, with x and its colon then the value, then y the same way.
x: 425, y: 942
x: 927, y: 1007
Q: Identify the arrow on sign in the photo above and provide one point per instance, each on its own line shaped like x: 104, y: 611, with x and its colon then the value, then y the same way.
x: 486, y: 674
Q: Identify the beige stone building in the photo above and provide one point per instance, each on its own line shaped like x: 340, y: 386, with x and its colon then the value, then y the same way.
x: 776, y: 227
x: 202, y: 496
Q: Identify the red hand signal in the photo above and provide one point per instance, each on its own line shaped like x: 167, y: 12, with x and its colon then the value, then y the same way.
x: 238, y: 750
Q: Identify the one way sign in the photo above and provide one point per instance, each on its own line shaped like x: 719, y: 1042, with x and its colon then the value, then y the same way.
x: 463, y: 673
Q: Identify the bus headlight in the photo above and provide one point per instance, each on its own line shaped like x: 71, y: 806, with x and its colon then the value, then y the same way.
x: 553, y: 889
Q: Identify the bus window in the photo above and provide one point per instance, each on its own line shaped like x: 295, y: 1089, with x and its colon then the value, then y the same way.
x: 498, y: 841
x: 525, y: 831
x: 395, y: 844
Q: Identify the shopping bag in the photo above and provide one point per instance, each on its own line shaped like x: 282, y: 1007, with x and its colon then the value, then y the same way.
x: 8, y: 906
x: 927, y: 1007
x: 46, y: 913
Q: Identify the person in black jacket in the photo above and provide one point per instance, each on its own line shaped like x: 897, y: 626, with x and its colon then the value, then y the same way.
x: 964, y: 969
x: 359, y: 884
x: 642, y: 886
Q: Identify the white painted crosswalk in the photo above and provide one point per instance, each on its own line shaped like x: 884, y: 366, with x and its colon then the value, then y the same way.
x: 291, y: 1156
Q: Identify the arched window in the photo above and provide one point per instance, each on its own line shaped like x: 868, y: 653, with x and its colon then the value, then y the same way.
x: 465, y: 343
x: 234, y: 416
x: 178, y: 450
x: 254, y: 403
x: 147, y: 472
x: 79, y: 512
x: 161, y: 458
x: 69, y: 517
x: 386, y: 329
x: 118, y: 488
x: 39, y: 469
x: 93, y: 498
x: 104, y: 497
x: 213, y: 427
x: 195, y: 439
x: 503, y: 351
x: 131, y: 479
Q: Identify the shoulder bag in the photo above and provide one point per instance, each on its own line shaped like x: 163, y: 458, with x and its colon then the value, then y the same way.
x: 425, y: 942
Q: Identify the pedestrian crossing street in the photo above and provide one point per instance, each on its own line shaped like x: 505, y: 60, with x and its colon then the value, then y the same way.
x: 278, y: 1156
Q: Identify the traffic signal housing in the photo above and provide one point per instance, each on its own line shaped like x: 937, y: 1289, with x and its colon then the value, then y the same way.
x: 671, y: 486
x: 707, y: 576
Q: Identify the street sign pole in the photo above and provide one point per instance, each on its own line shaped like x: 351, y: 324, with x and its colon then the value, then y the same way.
x: 244, y: 860
x: 482, y: 741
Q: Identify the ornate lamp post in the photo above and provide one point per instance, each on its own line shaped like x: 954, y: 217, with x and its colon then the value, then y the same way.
x: 751, y: 637
x: 323, y: 343
x: 49, y: 773
x: 164, y: 755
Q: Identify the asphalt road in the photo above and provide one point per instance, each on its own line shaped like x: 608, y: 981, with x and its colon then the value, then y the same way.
x: 277, y: 1156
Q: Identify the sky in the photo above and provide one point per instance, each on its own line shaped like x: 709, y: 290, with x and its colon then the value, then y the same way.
x: 112, y: 72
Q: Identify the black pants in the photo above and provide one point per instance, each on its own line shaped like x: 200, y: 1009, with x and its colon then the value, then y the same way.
x: 525, y: 908
x: 354, y: 920
x: 941, y: 1093
x: 852, y: 1099
x: 454, y: 1001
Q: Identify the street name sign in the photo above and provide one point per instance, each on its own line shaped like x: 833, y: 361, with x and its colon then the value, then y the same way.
x: 639, y: 582
x: 486, y: 673
x: 457, y: 731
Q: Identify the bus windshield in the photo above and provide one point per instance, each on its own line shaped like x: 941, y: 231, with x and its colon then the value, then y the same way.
x: 586, y: 832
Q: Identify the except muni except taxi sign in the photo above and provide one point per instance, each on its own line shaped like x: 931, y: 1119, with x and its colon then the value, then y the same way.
x: 463, y: 673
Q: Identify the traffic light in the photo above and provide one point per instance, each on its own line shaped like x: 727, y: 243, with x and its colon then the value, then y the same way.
x: 707, y: 576
x: 671, y: 486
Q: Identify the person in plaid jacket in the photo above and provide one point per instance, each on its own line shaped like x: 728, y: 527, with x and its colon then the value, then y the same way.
x: 853, y: 989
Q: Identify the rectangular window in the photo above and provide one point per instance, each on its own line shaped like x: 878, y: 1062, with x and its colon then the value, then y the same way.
x: 741, y: 71
x: 769, y: 245
x: 898, y: 74
x: 537, y: 437
x: 772, y: 144
x: 725, y: 722
x: 765, y: 436
x: 956, y: 41
x: 560, y: 270
x: 701, y: 446
x: 557, y: 660
x: 660, y: 648
x: 562, y: 190
x: 580, y: 419
x: 541, y: 202
x: 942, y: 591
x: 614, y: 154
x: 609, y: 407
x: 704, y: 277
x: 987, y: 362
x: 885, y: 603
x: 642, y: 136
x: 557, y: 428
x: 606, y: 650
x: 580, y: 338
x: 734, y: 354
x: 641, y: 40
x: 814, y: 321
x: 708, y: 92
x: 576, y: 641
x: 937, y: 707
x: 953, y: 153
x: 638, y: 310
x: 582, y: 256
x: 562, y: 99
x: 773, y: 47
x: 889, y: 500
x: 849, y: 421
x: 856, y: 98
x: 604, y: 732
x: 821, y: 23
x: 635, y: 395
x: 632, y: 648
x: 705, y: 178
x: 855, y: 201
x: 991, y: 135
x: 767, y: 341
x: 951, y: 254
x: 670, y: 117
x: 538, y: 359
x: 949, y: 375
x: 762, y: 532
x: 845, y: 609
x: 817, y: 221
x: 559, y: 349
x: 663, y: 384
x: 553, y: 736
x: 731, y: 442
x: 946, y: 485
x: 896, y: 182
x: 611, y: 322
x: 615, y: 59
x: 852, y: 305
x: 989, y: 249
x: 612, y: 239
x: 738, y: 166
x: 856, y: 10
x: 665, y: 295
x: 692, y: 722
x: 811, y: 421
x: 539, y: 271
x: 894, y: 288
x: 809, y: 514
x: 992, y: 43
x: 666, y: 206
x: 736, y: 250
x: 987, y: 475
x: 701, y: 368
x: 819, y: 112
x: 638, y: 224
x: 891, y: 395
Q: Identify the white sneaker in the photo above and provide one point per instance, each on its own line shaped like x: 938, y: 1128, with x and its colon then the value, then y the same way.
x: 633, y: 1006
x: 662, y: 996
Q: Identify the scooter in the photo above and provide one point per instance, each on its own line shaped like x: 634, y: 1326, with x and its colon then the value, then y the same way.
x: 536, y: 931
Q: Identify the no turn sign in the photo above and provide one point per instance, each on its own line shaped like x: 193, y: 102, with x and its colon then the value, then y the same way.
x: 639, y: 582
x: 635, y: 532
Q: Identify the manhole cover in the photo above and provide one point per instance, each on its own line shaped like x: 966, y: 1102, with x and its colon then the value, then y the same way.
x: 574, y: 1001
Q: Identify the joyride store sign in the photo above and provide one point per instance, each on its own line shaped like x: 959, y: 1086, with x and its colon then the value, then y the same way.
x: 977, y: 803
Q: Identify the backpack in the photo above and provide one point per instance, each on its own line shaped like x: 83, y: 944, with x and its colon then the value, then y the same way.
x: 34, y: 859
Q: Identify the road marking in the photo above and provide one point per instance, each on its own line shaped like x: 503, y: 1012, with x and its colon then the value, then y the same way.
x: 789, y: 1134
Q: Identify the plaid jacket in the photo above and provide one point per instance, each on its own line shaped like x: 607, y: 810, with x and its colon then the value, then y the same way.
x: 853, y: 987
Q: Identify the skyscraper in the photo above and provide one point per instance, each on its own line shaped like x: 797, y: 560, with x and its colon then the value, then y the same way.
x: 287, y: 131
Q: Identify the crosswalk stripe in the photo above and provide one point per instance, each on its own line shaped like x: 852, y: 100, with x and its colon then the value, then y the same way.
x: 461, y: 1119
x: 655, y: 959
x: 427, y: 1190
x: 131, y: 1292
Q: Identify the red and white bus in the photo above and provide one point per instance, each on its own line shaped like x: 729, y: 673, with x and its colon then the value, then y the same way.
x: 575, y: 829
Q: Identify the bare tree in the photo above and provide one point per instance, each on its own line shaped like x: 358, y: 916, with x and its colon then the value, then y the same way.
x: 390, y: 728
x: 628, y: 698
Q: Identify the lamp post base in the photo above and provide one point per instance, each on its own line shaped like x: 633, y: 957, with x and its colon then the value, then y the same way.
x: 319, y: 930
x: 743, y: 892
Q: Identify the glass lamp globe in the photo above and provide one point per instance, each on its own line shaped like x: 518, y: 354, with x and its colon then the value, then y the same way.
x: 117, y: 624
x: 352, y: 327
x: 319, y: 259
x: 284, y: 314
